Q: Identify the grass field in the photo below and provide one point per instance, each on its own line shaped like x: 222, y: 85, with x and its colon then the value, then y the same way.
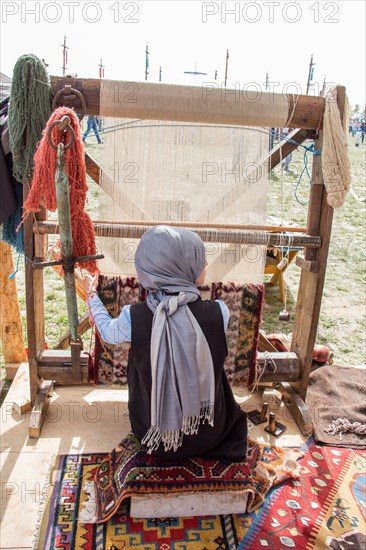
x: 342, y: 318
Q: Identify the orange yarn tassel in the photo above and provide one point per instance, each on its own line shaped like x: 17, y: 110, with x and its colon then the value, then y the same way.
x: 43, y: 190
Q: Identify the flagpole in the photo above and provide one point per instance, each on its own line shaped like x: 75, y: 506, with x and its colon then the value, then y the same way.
x: 324, y: 86
x: 146, y: 61
x: 310, y: 75
x: 64, y: 56
x: 101, y: 69
x: 226, y: 67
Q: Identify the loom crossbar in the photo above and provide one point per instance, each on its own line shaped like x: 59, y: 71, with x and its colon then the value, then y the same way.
x: 207, y: 235
x: 208, y: 104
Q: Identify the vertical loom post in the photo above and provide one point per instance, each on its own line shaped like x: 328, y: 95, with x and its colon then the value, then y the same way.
x: 319, y: 222
x: 34, y: 302
x: 63, y: 207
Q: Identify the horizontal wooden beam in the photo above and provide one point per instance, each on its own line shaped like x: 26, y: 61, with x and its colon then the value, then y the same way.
x: 278, y: 366
x: 59, y: 356
x: 208, y: 104
x: 121, y: 230
x: 55, y: 364
x: 60, y: 374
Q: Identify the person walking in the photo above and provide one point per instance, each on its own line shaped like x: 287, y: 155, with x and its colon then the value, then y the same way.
x: 92, y: 124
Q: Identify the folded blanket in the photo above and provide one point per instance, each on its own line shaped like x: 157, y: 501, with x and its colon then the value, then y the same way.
x: 336, y: 398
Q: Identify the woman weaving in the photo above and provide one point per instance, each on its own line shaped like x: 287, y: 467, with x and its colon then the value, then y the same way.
x: 180, y: 401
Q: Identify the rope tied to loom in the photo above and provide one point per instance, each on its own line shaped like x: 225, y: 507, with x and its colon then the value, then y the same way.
x: 43, y: 190
x: 30, y: 105
x: 335, y: 162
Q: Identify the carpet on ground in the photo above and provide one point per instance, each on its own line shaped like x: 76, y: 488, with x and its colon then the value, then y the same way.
x: 336, y: 398
x: 324, y: 507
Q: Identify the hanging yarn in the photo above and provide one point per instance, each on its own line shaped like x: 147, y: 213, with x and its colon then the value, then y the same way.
x: 335, y: 162
x: 11, y: 234
x: 29, y: 109
x: 43, y: 190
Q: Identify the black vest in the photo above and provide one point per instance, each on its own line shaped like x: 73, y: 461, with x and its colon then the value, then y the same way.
x: 227, y: 438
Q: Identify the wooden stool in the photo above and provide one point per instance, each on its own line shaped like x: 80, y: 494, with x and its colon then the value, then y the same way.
x: 271, y: 268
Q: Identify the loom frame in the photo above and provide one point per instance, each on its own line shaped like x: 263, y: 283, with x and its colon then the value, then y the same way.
x: 48, y: 367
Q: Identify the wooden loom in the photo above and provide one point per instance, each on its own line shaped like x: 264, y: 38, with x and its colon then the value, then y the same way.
x: 290, y: 371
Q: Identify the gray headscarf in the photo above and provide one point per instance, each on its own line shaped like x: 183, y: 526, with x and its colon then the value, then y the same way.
x: 168, y: 261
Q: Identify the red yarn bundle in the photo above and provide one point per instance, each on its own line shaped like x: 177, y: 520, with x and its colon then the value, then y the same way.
x: 43, y: 191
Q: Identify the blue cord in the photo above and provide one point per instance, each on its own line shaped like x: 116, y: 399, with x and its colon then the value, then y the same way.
x: 307, y: 150
x: 12, y: 275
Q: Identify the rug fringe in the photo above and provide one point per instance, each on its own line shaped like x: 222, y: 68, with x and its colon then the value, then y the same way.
x: 88, y: 512
x: 42, y: 504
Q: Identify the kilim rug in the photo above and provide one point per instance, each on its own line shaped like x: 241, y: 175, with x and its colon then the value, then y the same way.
x: 109, y: 365
x: 129, y: 471
x: 324, y: 508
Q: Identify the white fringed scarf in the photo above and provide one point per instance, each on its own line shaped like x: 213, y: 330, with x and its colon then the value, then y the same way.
x: 168, y: 261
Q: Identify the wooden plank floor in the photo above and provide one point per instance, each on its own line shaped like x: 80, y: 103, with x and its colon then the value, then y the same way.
x: 80, y: 419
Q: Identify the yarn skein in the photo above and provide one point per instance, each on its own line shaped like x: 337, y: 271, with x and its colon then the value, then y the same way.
x: 43, y: 191
x: 335, y: 161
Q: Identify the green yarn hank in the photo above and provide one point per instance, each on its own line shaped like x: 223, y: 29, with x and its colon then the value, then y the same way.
x: 30, y: 107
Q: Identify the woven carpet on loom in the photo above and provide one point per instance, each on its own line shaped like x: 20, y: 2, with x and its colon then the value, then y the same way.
x: 245, y: 305
x: 323, y: 508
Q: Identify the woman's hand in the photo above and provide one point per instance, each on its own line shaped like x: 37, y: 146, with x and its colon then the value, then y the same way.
x: 90, y: 283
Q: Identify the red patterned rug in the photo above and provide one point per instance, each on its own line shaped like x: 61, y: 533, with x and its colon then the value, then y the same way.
x: 109, y: 365
x: 324, y: 508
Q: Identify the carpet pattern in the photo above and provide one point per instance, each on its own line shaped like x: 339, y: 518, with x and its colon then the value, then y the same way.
x: 109, y: 365
x: 129, y: 470
x: 324, y: 508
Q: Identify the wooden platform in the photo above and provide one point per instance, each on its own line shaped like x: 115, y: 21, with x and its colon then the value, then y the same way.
x: 79, y: 419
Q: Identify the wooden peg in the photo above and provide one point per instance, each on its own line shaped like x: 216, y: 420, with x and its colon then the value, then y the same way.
x: 274, y: 428
x: 259, y: 417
